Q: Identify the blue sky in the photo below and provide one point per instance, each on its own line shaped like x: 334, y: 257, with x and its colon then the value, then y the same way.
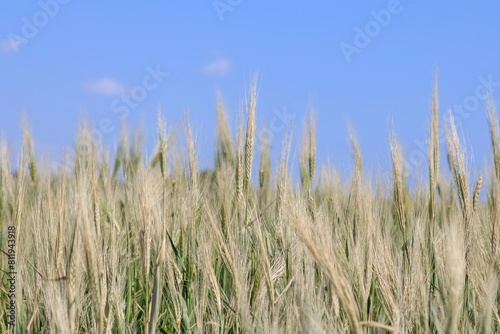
x: 63, y: 59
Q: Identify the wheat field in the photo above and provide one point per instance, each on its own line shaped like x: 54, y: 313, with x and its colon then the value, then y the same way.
x: 139, y: 244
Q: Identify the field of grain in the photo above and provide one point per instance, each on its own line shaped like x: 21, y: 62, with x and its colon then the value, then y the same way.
x: 139, y: 244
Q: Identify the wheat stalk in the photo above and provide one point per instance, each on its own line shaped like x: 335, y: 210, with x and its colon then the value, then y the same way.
x: 91, y: 260
x: 495, y: 145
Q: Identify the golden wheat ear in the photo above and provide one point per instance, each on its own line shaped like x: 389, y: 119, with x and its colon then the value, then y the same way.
x: 459, y: 171
x: 250, y: 132
x: 224, y: 155
x: 307, y: 156
x: 193, y: 178
x: 433, y: 152
x: 239, y: 166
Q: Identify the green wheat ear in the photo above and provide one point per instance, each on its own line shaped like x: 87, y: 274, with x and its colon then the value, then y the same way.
x: 32, y: 169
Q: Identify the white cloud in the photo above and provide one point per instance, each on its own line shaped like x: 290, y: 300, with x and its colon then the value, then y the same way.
x: 218, y: 67
x: 105, y: 86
